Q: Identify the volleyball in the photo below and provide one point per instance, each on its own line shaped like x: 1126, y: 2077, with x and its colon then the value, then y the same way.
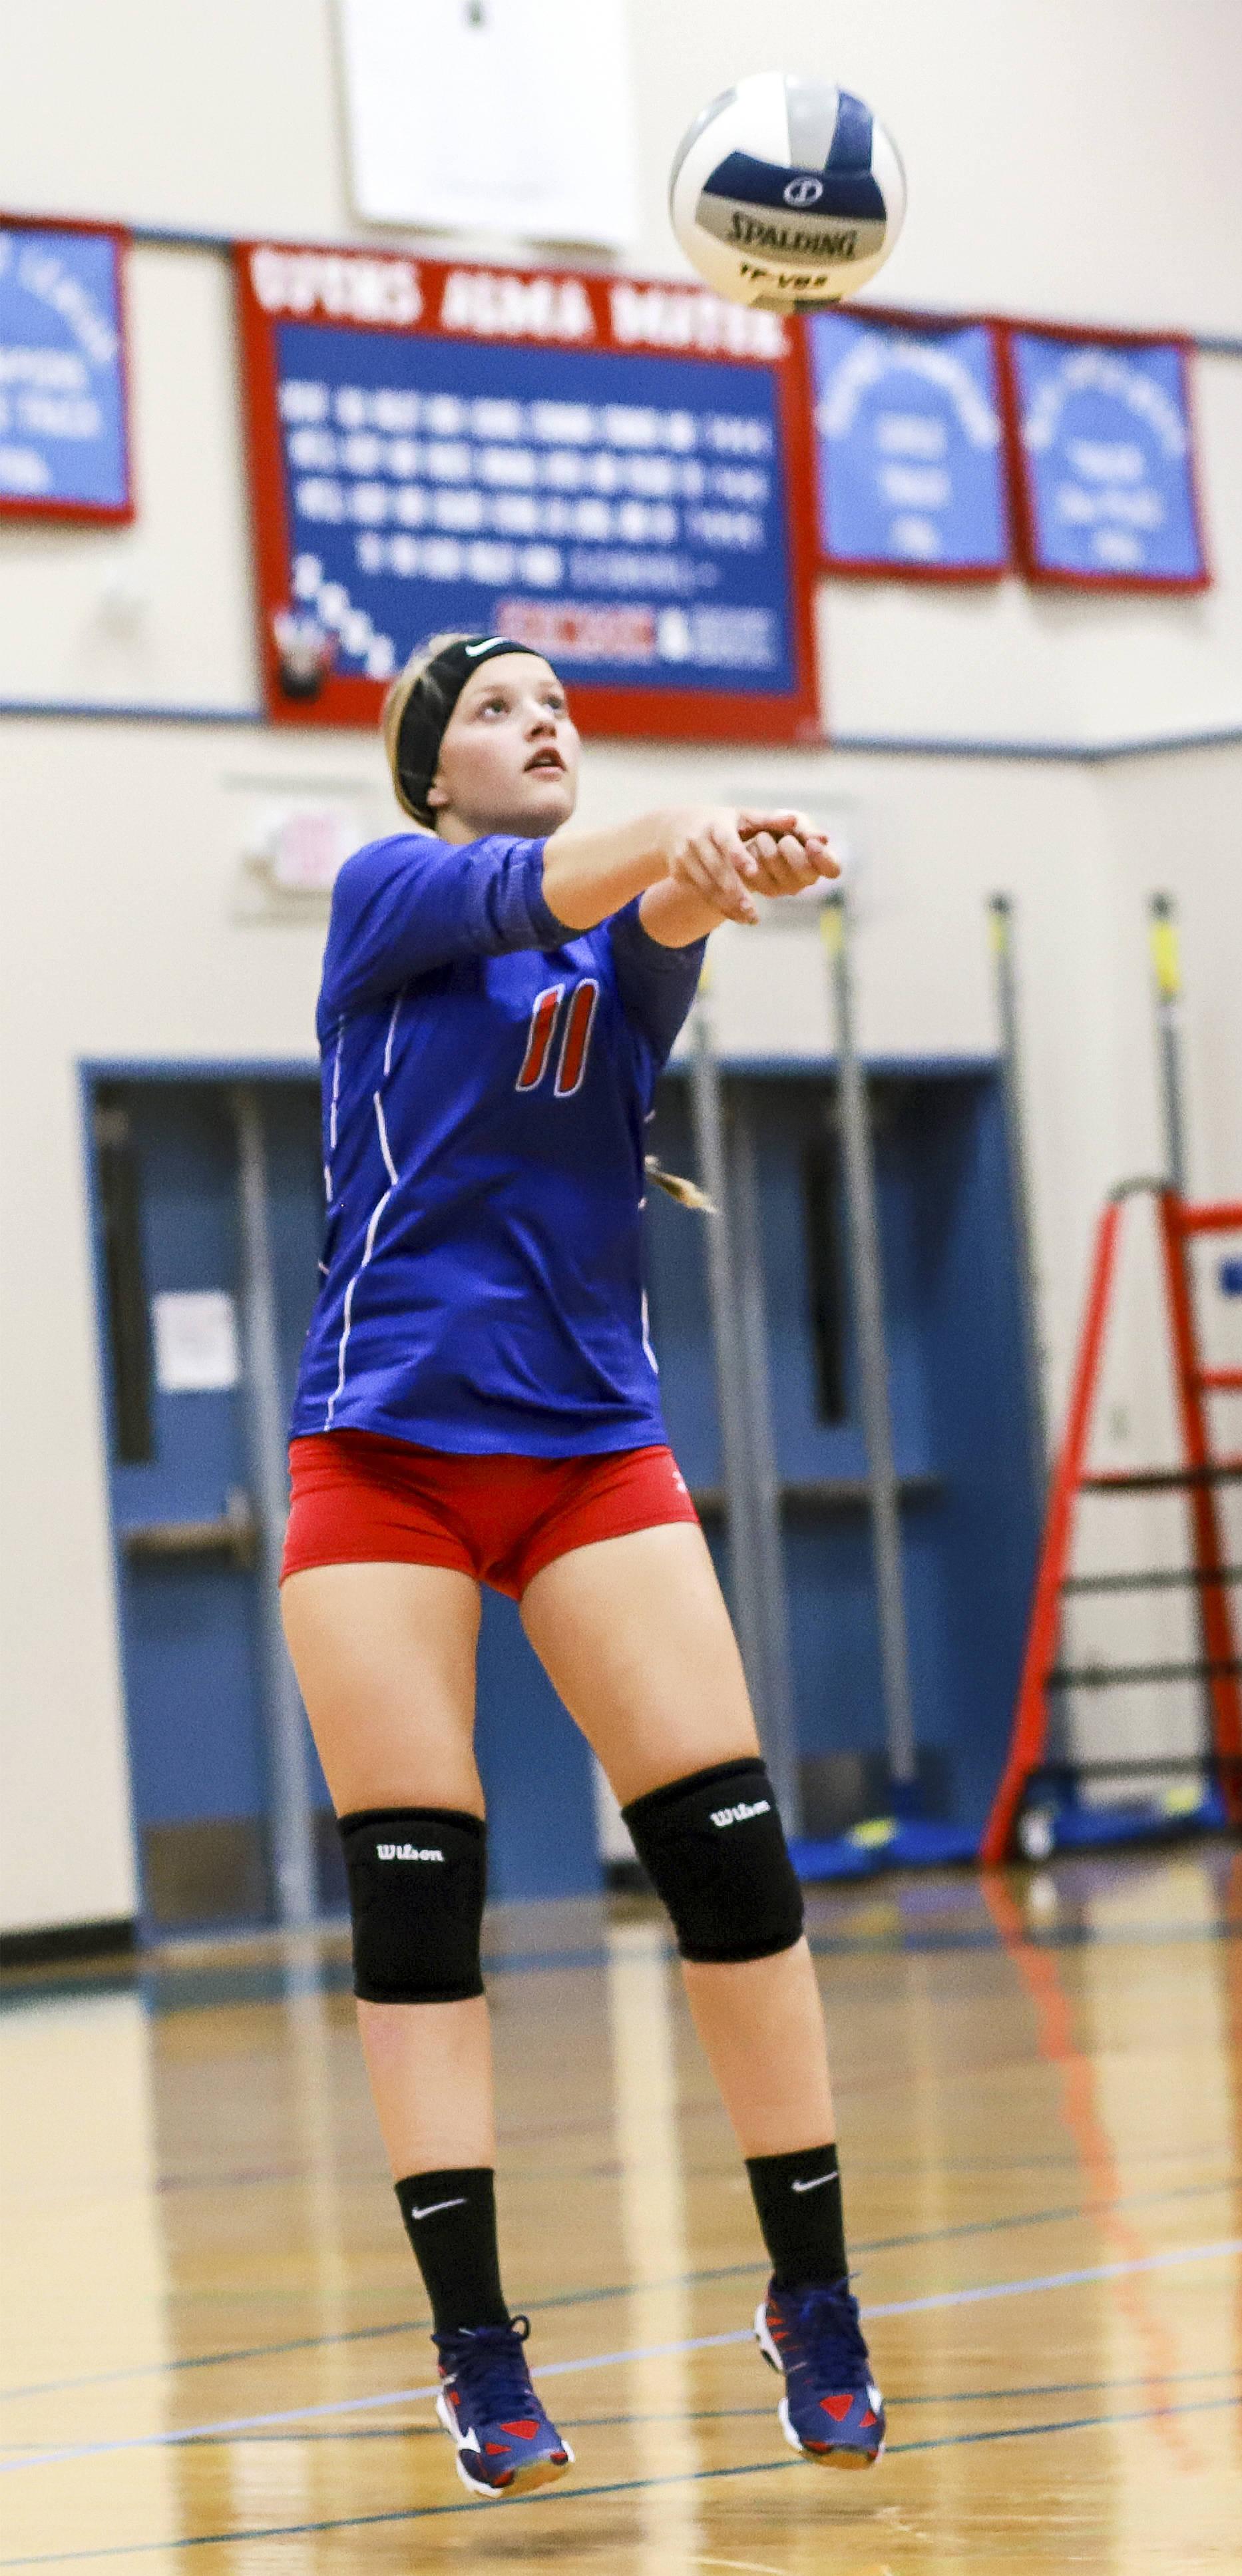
x: 787, y: 193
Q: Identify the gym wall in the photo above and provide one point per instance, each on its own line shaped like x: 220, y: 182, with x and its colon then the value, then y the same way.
x: 1065, y: 164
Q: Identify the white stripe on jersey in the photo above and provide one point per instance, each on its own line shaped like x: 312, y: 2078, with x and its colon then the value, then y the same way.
x: 367, y: 1250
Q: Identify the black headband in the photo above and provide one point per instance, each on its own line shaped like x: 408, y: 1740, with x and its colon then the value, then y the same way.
x: 430, y: 704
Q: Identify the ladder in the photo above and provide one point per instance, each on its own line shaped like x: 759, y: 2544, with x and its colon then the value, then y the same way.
x: 1200, y: 1477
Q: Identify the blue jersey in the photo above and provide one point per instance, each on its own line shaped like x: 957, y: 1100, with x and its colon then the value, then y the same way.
x: 486, y: 1076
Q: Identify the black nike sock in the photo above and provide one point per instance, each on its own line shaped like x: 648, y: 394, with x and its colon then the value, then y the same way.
x: 450, y: 2219
x: 798, y: 2198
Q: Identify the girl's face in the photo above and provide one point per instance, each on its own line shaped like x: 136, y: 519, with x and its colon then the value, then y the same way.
x: 509, y: 758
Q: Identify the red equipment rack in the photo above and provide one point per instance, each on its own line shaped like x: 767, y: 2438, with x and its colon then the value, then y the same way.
x: 1199, y: 1477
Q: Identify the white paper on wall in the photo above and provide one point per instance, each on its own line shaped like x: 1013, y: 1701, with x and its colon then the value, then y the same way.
x: 196, y: 1343
x: 494, y: 116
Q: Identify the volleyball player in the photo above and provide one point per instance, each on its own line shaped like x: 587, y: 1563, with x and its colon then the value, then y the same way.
x: 478, y: 1403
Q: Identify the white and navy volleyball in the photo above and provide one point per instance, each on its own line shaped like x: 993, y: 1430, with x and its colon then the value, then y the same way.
x: 787, y: 193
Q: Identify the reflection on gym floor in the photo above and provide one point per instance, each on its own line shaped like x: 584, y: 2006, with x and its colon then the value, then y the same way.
x: 215, y: 2333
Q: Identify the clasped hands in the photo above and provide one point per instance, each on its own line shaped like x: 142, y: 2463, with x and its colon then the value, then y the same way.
x: 727, y: 857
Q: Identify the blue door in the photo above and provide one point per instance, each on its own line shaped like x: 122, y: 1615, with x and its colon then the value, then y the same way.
x: 166, y: 1205
x: 168, y: 1268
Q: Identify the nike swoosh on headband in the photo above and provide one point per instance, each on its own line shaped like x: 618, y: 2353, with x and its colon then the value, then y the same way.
x: 434, y: 2205
x: 796, y: 2186
x: 484, y: 647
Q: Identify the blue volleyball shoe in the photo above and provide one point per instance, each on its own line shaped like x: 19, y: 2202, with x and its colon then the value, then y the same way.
x: 831, y: 2410
x: 505, y: 2443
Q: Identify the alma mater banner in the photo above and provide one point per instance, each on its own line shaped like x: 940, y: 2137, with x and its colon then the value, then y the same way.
x: 617, y: 472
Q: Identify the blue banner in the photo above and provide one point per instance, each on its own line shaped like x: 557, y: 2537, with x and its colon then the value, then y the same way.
x: 910, y: 448
x: 624, y: 514
x: 62, y: 381
x: 1107, y: 460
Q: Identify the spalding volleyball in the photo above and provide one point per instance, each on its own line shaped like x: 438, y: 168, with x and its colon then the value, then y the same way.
x: 787, y: 193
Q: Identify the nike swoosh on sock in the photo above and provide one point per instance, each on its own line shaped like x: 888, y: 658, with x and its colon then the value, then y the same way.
x: 795, y: 2186
x: 434, y: 2205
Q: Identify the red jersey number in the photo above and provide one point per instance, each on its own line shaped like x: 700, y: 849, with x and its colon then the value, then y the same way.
x: 579, y: 1021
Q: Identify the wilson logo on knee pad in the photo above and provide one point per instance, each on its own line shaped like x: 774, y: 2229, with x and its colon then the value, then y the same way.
x: 416, y: 1928
x: 741, y: 1815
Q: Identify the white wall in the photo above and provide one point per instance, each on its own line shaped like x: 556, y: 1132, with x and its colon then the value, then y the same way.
x: 1067, y: 160
x: 160, y: 611
x: 1032, y: 135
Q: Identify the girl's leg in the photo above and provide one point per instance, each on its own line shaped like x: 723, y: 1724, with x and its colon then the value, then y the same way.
x: 635, y: 1636
x: 384, y: 1656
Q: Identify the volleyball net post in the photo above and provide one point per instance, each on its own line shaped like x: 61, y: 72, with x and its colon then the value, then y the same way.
x: 743, y: 1402
x: 1001, y: 925
x: 867, y: 1280
x: 1166, y: 960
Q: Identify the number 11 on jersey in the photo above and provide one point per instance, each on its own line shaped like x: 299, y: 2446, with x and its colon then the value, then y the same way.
x: 545, y: 1018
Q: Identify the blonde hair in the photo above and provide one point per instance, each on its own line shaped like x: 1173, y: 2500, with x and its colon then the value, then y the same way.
x: 395, y: 705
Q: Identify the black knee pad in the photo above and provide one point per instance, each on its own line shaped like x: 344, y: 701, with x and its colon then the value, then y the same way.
x: 417, y: 1880
x: 714, y: 1848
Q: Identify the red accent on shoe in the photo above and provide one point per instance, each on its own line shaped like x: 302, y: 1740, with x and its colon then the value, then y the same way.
x: 527, y: 2429
x: 837, y: 2407
x: 498, y: 2447
x: 866, y: 2419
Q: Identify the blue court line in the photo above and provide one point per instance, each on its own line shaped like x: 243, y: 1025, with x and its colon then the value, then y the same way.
x: 562, y: 2495
x: 1173, y: 2257
x: 1066, y: 2212
x: 733, y: 2414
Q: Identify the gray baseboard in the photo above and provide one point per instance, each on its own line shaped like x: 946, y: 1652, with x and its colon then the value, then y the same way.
x: 110, y: 1938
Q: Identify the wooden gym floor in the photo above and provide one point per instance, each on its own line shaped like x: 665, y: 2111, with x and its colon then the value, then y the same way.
x: 213, y: 2337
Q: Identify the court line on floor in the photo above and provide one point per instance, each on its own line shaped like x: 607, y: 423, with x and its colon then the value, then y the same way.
x: 562, y: 2495
x: 713, y: 2414
x: 1065, y: 2211
x: 740, y: 2414
x: 177, y: 2437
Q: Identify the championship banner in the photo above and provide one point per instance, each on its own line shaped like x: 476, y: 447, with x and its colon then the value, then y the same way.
x: 909, y: 447
x: 1103, y: 450
x: 63, y: 442
x: 613, y: 471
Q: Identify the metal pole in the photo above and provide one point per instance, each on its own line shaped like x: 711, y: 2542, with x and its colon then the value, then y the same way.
x: 1000, y: 910
x: 293, y: 1847
x: 745, y: 1580
x: 864, y: 1236
x: 1167, y: 966
x: 780, y: 1731
x: 1166, y: 961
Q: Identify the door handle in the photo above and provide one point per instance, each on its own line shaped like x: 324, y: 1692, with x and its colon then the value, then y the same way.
x: 233, y: 1533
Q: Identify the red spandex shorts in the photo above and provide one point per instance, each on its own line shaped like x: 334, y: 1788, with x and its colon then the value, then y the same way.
x: 361, y: 1499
